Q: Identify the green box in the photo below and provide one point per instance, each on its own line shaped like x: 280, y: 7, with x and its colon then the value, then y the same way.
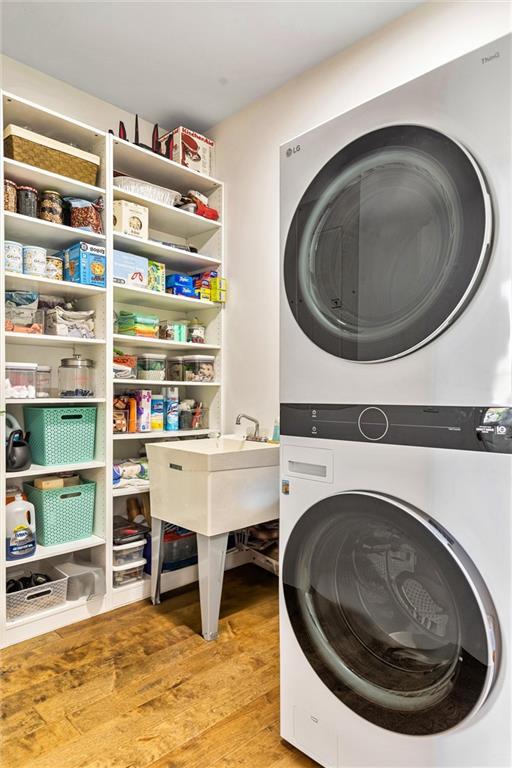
x: 156, y: 276
x: 61, y: 435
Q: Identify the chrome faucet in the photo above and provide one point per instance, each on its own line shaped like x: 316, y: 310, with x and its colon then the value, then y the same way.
x: 249, y: 418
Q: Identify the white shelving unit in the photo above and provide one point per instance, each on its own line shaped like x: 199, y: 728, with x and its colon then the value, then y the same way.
x: 171, y: 232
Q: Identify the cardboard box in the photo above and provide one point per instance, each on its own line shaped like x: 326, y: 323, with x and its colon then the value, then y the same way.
x: 55, y: 481
x: 184, y: 290
x: 156, y: 276
x: 130, y: 269
x: 218, y: 289
x: 176, y: 279
x: 85, y: 263
x: 193, y: 150
x: 131, y: 219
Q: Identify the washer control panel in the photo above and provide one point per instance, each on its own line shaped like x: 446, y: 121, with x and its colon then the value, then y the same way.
x: 463, y: 428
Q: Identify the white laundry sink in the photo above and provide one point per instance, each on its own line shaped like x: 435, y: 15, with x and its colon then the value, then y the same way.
x: 215, y: 485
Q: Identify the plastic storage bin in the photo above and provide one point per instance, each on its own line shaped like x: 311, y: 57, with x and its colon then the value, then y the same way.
x: 175, y: 368
x: 151, y: 367
x: 20, y: 380
x: 173, y: 330
x: 84, y: 579
x: 128, y: 553
x: 63, y: 514
x: 128, y: 573
x: 180, y: 549
x: 33, y: 600
x: 197, y: 418
x: 24, y: 320
x: 61, y: 435
x: 145, y: 189
x: 43, y: 381
x: 198, y: 368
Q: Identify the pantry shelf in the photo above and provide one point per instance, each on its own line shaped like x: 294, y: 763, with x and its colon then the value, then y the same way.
x: 22, y: 173
x: 27, y: 229
x: 140, y: 342
x: 130, y: 491
x: 174, y: 258
x: 143, y: 297
x: 15, y: 281
x: 43, y: 616
x: 43, y: 339
x: 53, y: 400
x: 162, y: 435
x: 168, y: 218
x: 166, y: 383
x: 39, y: 469
x: 42, y: 553
x: 142, y: 164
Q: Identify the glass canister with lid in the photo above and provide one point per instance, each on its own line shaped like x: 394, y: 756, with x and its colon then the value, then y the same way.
x: 10, y: 196
x: 76, y: 377
x: 27, y: 201
x: 51, y: 207
x: 198, y: 368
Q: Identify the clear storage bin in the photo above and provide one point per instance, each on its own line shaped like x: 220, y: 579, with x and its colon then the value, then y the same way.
x: 151, y: 367
x: 20, y: 380
x: 24, y: 320
x: 173, y: 330
x: 43, y: 381
x: 196, y: 418
x: 146, y: 189
x: 198, y: 368
x: 175, y: 368
x: 123, y: 554
x: 128, y: 573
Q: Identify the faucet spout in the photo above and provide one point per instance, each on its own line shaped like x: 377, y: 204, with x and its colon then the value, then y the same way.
x: 249, y: 418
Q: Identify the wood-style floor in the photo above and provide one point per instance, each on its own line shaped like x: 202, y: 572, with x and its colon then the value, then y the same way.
x: 139, y: 687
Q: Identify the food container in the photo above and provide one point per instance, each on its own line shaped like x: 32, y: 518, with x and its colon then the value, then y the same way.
x: 13, y: 256
x: 82, y: 214
x: 175, y: 369
x: 27, y: 201
x: 24, y: 320
x: 20, y: 380
x: 145, y: 189
x: 85, y: 263
x: 66, y: 322
x: 173, y: 330
x: 130, y: 269
x: 10, y: 196
x: 43, y: 381
x: 198, y: 368
x: 124, y: 554
x: 194, y: 418
x: 156, y: 276
x: 196, y: 333
x: 34, y: 260
x: 54, y: 268
x: 120, y: 421
x: 50, y: 207
x: 51, y: 155
x: 131, y: 218
x: 128, y: 573
x: 151, y: 366
x: 76, y: 377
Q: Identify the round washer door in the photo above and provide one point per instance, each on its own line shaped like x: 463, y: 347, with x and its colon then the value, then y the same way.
x: 390, y: 613
x: 388, y: 244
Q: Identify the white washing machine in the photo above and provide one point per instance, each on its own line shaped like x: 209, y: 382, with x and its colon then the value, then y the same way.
x: 395, y: 595
x: 395, y: 242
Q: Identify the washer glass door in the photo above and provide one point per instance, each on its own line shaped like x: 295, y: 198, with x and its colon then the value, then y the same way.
x: 388, y: 244
x: 390, y: 613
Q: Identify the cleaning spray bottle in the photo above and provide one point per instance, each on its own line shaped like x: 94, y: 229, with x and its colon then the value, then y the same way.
x: 20, y: 528
x: 171, y: 409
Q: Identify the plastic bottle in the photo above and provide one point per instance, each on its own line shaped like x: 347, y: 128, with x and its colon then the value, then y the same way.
x: 275, y: 433
x: 171, y: 409
x: 157, y: 413
x: 20, y: 528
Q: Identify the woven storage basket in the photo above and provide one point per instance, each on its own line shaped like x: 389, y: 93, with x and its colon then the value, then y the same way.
x: 36, y: 599
x: 61, y: 435
x: 63, y: 514
x: 50, y: 155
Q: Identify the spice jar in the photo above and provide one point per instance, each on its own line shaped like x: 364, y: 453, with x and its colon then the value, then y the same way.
x: 10, y: 196
x: 50, y: 207
x: 76, y: 377
x: 27, y: 201
x: 43, y: 380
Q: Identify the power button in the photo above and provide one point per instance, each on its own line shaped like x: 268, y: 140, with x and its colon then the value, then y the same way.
x: 373, y: 423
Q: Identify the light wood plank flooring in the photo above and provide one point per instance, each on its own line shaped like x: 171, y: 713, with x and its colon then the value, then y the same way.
x: 139, y: 688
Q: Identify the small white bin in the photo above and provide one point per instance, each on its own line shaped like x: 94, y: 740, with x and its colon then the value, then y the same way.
x: 129, y: 573
x: 124, y: 554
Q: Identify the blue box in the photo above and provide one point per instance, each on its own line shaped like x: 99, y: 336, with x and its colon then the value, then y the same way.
x: 85, y: 263
x: 176, y: 280
x: 184, y: 290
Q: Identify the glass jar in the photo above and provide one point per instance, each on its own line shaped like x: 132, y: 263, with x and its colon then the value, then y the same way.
x: 27, y: 201
x: 43, y: 381
x: 10, y: 196
x: 76, y: 377
x: 50, y: 207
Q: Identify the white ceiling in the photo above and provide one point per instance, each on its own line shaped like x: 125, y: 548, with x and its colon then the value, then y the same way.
x: 189, y: 62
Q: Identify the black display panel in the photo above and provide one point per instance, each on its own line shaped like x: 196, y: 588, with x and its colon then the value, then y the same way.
x: 459, y: 427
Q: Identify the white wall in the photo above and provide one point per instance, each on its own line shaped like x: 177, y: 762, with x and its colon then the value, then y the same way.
x: 248, y: 161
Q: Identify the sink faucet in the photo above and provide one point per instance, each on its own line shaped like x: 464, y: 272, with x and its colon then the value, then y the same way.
x: 249, y: 418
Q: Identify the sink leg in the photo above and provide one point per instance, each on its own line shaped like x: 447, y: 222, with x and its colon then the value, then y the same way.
x: 157, y: 557
x: 211, y: 552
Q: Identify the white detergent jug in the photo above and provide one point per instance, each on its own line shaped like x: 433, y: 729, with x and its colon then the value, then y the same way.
x: 20, y: 528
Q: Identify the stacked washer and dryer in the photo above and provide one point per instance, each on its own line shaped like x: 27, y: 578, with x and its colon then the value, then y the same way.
x: 396, y: 424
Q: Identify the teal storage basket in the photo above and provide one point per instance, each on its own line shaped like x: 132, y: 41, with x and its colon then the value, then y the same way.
x: 61, y: 435
x: 63, y: 514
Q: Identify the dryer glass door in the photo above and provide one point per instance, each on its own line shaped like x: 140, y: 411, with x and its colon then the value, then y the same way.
x: 390, y: 613
x: 388, y: 244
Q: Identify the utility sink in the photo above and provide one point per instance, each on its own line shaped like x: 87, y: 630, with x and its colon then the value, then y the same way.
x: 215, y: 485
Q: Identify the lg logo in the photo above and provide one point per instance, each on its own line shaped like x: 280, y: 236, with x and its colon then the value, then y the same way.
x: 292, y: 150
